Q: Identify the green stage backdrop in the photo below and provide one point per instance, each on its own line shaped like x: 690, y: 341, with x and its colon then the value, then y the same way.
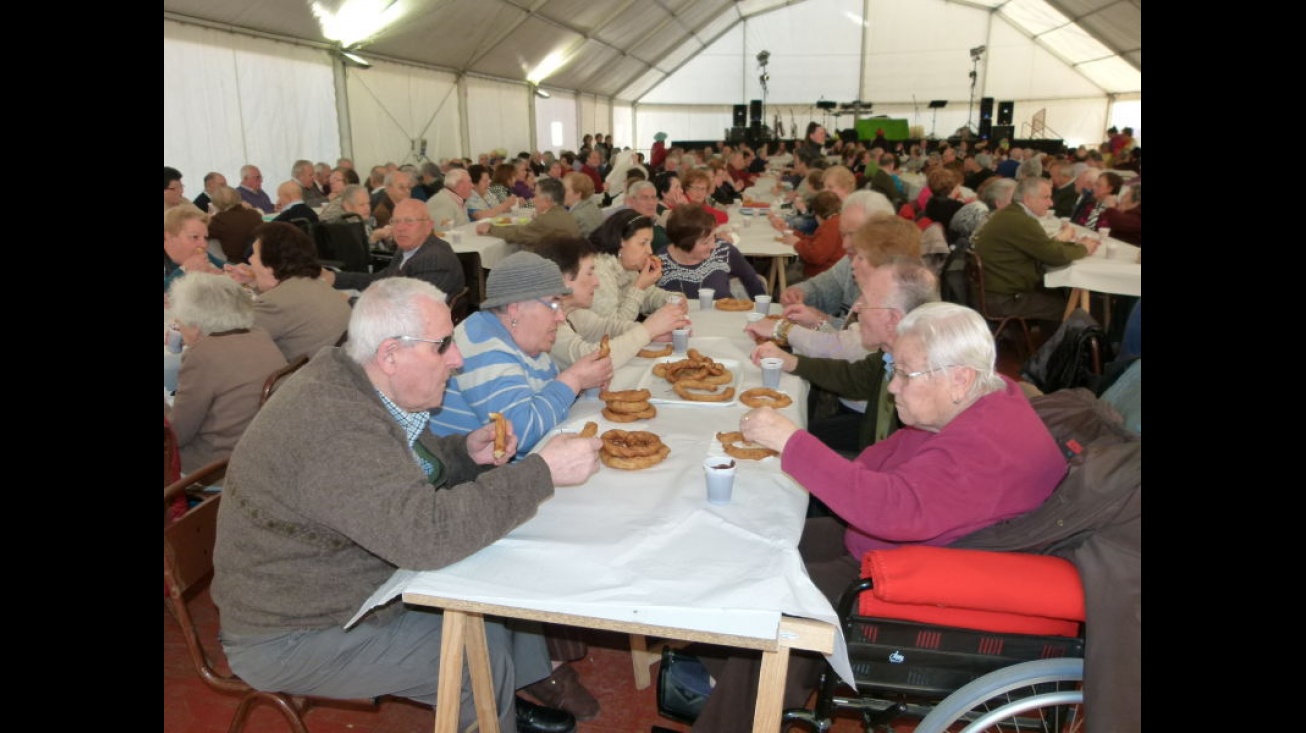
x: 894, y: 130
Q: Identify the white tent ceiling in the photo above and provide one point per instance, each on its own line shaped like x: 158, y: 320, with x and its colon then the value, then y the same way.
x: 625, y: 49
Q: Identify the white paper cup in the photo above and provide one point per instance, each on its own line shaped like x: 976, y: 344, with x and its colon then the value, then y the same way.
x: 762, y: 304
x: 772, y: 368
x: 754, y: 316
x: 706, y: 299
x: 455, y: 236
x: 680, y: 340
x: 719, y: 472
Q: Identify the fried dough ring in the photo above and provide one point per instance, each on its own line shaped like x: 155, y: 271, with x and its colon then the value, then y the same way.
x: 648, y: 353
x: 627, y: 408
x: 734, y: 304
x: 635, y: 464
x: 625, y: 395
x: 630, y: 416
x: 756, y: 453
x: 682, y: 389
x: 765, y: 397
x: 590, y: 430
x: 604, y: 348
x: 630, y: 443
x: 724, y: 377
x: 500, y: 434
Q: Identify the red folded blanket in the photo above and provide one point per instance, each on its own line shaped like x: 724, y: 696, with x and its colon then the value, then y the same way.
x: 1006, y: 592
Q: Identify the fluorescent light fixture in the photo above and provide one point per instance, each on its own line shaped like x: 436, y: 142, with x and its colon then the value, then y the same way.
x: 541, y: 93
x: 550, y: 64
x: 353, y: 59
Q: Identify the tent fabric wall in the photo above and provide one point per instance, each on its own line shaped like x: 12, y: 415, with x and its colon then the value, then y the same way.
x: 390, y: 105
x: 232, y: 99
x: 560, y: 110
x: 497, y: 116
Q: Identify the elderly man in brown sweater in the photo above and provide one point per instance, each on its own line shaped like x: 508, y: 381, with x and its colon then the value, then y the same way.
x: 339, y: 483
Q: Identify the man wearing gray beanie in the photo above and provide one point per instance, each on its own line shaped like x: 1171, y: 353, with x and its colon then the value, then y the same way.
x: 507, y: 367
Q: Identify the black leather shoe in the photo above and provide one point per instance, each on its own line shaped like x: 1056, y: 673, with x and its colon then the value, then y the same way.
x: 532, y: 718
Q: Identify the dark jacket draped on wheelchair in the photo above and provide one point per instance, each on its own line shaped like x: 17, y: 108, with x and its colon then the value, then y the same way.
x: 1094, y: 520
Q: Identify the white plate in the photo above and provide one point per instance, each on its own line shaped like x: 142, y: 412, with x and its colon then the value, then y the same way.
x: 663, y: 393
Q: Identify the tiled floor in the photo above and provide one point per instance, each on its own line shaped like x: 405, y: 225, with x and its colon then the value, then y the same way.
x: 190, y: 706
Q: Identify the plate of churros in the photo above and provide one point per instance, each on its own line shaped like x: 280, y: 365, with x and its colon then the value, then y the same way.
x: 693, y: 380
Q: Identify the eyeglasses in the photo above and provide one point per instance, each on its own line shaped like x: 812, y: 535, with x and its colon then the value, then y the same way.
x: 697, y: 188
x: 553, y: 305
x: 441, y: 345
x: 912, y: 375
x: 406, y: 222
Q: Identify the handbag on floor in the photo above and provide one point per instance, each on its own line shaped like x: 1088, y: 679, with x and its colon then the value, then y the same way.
x: 683, y: 686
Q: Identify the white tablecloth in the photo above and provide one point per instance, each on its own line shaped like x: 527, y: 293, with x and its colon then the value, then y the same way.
x: 1114, y: 268
x: 645, y: 546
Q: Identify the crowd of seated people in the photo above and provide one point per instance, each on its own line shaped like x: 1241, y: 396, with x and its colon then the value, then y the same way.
x: 610, y: 241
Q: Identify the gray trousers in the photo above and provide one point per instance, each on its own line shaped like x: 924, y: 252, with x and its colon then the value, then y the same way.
x: 394, y: 654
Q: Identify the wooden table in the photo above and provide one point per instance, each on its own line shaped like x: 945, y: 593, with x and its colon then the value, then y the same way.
x: 757, y: 238
x: 654, y: 558
x: 1118, y: 272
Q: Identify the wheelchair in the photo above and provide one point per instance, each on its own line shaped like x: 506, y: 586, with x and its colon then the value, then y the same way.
x: 961, y: 640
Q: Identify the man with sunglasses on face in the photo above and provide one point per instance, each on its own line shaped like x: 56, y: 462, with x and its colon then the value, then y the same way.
x: 418, y: 254
x: 340, y: 483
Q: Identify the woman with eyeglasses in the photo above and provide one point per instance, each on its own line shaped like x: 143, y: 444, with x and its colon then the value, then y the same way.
x: 507, y: 367
x: 971, y: 453
x: 697, y: 184
x: 584, y: 327
x: 627, y: 269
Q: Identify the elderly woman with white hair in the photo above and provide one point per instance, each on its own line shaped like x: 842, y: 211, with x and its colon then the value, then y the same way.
x: 226, y: 361
x: 971, y: 453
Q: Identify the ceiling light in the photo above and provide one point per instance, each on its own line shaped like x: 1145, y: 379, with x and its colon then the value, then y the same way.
x: 541, y: 93
x: 352, y: 59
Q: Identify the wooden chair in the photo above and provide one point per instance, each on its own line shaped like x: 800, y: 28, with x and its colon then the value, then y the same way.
x: 274, y: 379
x: 460, y: 304
x: 188, y: 544
x: 975, y: 283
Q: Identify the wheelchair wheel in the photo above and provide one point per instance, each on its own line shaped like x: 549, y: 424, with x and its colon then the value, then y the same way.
x: 1044, y: 695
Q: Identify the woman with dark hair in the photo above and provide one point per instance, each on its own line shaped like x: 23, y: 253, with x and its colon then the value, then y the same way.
x: 1106, y: 192
x: 584, y: 327
x: 503, y: 180
x: 670, y: 193
x: 300, y: 312
x: 482, y: 203
x: 628, y: 271
x: 697, y: 258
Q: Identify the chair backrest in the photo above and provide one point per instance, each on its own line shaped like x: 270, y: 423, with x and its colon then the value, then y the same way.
x: 975, y: 281
x: 460, y: 304
x: 953, y: 287
x: 274, y: 379
x: 343, y: 243
x: 188, y: 561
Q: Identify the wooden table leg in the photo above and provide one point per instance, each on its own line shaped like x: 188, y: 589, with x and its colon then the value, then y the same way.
x: 770, y: 691
x: 640, y: 659
x: 782, y: 264
x: 464, y: 631
x: 1078, y: 299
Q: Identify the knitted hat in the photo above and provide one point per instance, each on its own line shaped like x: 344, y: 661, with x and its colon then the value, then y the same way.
x: 522, y: 276
x: 660, y: 136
